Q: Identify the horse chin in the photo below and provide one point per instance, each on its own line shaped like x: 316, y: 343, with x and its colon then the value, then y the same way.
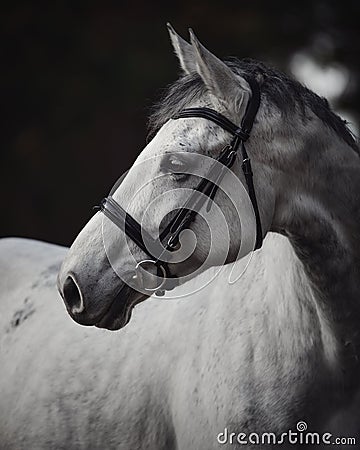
x: 119, y: 313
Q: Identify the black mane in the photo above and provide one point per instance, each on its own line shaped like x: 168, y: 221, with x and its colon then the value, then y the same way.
x: 281, y: 90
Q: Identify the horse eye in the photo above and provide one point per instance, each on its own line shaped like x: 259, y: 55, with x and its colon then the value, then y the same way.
x: 177, y: 166
x: 174, y: 166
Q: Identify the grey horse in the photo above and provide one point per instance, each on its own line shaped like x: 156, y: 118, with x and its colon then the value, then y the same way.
x: 232, y: 365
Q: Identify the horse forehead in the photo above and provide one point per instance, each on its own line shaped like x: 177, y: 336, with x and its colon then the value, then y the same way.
x: 182, y: 135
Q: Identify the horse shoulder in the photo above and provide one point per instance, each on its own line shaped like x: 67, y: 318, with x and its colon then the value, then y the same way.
x: 23, y: 259
x: 73, y: 375
x: 25, y: 267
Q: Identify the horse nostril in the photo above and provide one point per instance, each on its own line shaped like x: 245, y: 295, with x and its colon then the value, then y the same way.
x: 72, y: 296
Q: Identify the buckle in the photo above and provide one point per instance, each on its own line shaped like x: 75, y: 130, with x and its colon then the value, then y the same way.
x: 242, y: 134
x: 246, y: 166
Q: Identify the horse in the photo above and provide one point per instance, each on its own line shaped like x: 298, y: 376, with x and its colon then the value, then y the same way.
x: 233, y: 364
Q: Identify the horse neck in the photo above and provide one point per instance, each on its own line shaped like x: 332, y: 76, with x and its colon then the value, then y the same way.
x: 272, y: 310
x: 323, y: 227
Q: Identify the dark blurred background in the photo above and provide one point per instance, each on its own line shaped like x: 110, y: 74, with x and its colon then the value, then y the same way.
x: 78, y: 80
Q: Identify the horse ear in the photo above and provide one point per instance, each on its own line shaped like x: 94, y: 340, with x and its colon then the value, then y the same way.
x: 218, y: 77
x: 183, y: 50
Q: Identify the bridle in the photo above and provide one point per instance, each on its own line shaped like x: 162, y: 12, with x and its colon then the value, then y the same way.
x: 207, y: 186
x: 185, y: 215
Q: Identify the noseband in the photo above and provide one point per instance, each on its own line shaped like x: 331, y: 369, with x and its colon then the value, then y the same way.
x: 185, y: 215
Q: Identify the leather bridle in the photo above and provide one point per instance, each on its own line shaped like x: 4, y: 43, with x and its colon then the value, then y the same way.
x: 169, y: 237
